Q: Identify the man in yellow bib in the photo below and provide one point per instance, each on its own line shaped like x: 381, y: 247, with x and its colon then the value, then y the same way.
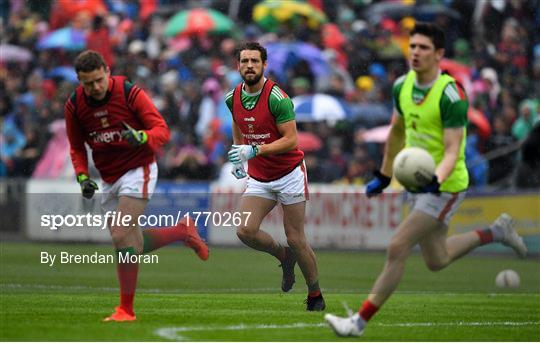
x: 430, y: 111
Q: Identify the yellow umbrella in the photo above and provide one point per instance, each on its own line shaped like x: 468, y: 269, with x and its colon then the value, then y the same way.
x: 270, y: 13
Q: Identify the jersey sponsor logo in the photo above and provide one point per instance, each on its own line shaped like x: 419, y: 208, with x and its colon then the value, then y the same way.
x: 249, y: 119
x: 251, y: 129
x: 256, y: 136
x: 102, y: 113
x: 105, y: 122
x: 106, y: 137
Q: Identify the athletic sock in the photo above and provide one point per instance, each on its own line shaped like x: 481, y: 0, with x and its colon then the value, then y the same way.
x: 490, y: 234
x: 314, y: 290
x: 156, y: 238
x: 367, y: 310
x: 127, y: 277
x: 486, y: 236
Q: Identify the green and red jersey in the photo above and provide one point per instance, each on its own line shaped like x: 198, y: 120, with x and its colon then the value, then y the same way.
x: 427, y: 112
x: 257, y: 116
x: 453, y: 104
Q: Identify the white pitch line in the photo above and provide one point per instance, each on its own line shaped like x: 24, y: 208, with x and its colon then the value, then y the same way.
x: 173, y: 333
x: 458, y: 324
x: 181, y: 291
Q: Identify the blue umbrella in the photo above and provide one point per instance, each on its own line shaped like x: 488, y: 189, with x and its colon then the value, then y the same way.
x: 319, y: 107
x: 65, y: 38
x: 284, y: 56
x: 64, y: 72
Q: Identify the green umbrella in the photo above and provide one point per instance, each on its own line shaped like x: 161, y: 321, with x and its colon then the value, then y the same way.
x: 198, y: 20
x: 270, y: 14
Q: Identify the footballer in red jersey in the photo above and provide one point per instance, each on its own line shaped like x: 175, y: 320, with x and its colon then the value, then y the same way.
x: 120, y: 124
x: 264, y: 133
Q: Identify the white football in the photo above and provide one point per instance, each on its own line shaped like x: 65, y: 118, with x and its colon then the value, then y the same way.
x: 507, y: 279
x: 414, y: 167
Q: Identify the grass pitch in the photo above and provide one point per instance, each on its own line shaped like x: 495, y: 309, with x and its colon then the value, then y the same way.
x: 236, y: 296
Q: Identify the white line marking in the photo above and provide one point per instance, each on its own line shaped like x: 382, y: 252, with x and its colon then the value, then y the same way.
x: 173, y: 333
x: 244, y: 290
x: 459, y: 324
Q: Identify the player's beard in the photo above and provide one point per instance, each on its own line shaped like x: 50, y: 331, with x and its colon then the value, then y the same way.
x: 256, y: 78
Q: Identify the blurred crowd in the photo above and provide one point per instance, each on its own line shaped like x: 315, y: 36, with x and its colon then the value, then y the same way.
x: 493, y: 49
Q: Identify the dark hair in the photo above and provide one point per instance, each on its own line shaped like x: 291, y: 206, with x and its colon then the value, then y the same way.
x: 434, y: 32
x: 88, y: 61
x: 252, y: 46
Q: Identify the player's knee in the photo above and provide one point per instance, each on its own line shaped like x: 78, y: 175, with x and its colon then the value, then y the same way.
x: 296, y: 242
x: 244, y: 234
x: 119, y: 236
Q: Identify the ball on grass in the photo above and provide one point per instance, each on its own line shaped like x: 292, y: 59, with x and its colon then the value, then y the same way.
x: 507, y: 279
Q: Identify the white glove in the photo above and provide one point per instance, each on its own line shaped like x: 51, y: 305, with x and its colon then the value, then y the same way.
x: 238, y: 171
x: 242, y: 153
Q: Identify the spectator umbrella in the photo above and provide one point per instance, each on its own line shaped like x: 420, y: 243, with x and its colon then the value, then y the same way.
x: 270, y: 14
x: 308, y: 141
x: 66, y: 73
x: 428, y: 12
x: 285, y: 56
x: 66, y: 38
x: 198, y: 20
x: 319, y: 107
x: 332, y: 37
x: 14, y: 53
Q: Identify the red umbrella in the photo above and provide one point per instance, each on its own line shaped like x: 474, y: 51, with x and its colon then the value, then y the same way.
x: 147, y: 7
x: 479, y: 120
x: 332, y: 36
x: 308, y: 142
x: 460, y: 72
x: 62, y: 12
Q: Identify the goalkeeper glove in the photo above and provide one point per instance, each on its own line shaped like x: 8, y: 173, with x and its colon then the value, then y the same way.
x: 376, y: 186
x: 134, y: 137
x: 242, y: 153
x: 88, y: 186
x: 432, y: 187
x: 238, y: 171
